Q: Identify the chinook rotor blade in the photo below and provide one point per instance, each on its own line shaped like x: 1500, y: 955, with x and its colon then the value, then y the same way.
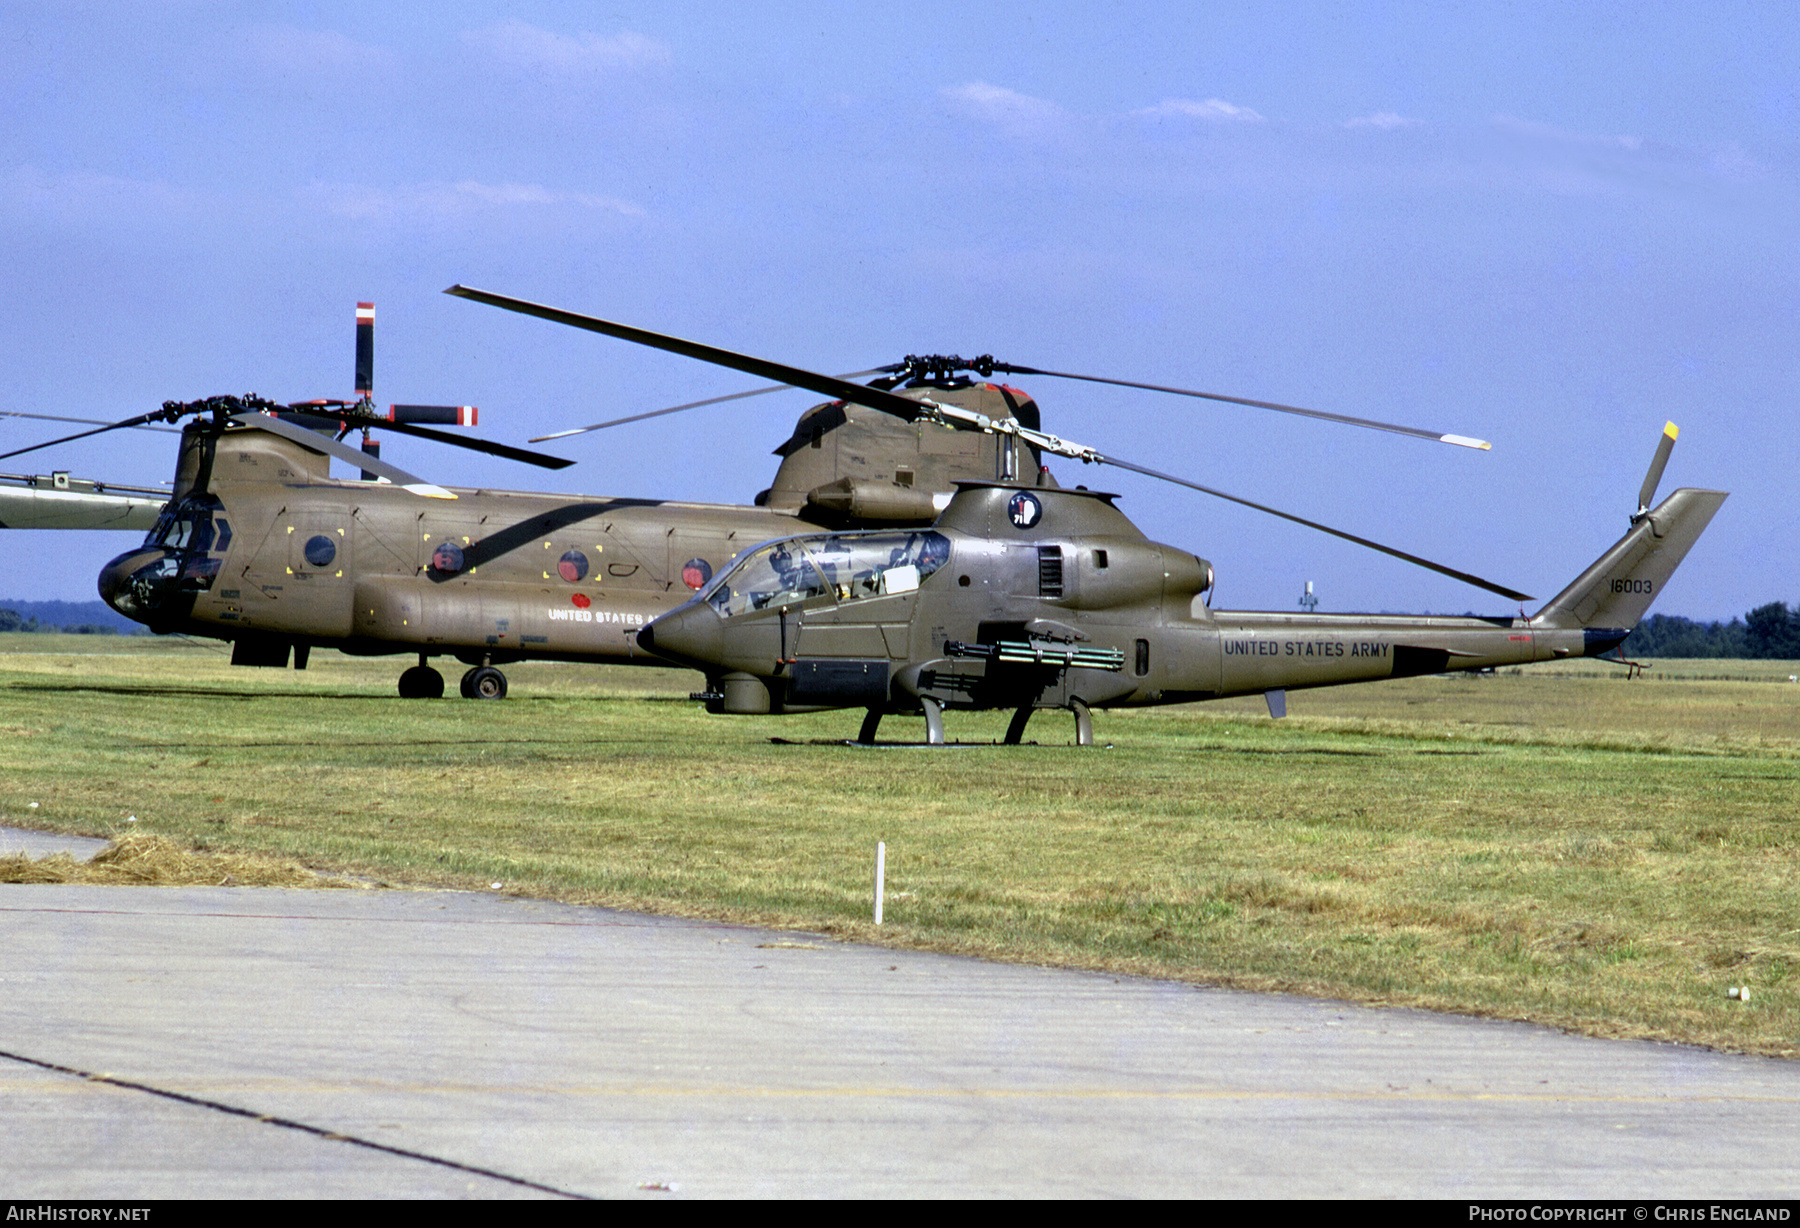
x: 488, y: 447
x: 525, y: 455
x: 797, y: 377
x: 1414, y: 559
x: 19, y: 413
x: 675, y: 409
x: 324, y: 443
x: 1658, y: 463
x: 165, y: 414
x: 1462, y: 441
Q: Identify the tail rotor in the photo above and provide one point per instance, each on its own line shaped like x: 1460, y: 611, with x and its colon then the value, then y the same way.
x: 1657, y: 464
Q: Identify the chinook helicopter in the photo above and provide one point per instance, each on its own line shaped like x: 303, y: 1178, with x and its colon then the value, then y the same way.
x: 260, y: 546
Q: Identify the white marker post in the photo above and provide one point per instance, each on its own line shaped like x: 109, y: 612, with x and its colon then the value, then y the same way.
x: 880, y: 876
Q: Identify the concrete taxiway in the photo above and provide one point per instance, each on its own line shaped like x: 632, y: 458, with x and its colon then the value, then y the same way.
x: 167, y: 1042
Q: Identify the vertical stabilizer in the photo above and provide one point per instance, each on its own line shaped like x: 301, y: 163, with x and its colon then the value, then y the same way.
x: 1613, y: 594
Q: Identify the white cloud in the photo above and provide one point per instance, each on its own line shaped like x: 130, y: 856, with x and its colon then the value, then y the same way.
x: 75, y: 195
x: 459, y: 199
x: 1010, y: 108
x: 289, y: 48
x: 1213, y: 110
x: 1728, y: 161
x: 1386, y: 120
x: 1732, y: 162
x: 1571, y: 162
x: 524, y: 44
x: 1566, y: 136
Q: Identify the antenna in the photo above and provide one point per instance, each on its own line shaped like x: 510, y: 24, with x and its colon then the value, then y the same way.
x: 1308, y: 602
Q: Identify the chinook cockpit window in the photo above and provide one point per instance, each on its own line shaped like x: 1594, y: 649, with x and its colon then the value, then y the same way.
x: 847, y: 567
x: 193, y: 525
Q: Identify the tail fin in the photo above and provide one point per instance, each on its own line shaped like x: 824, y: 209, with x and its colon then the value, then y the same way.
x: 1609, y: 598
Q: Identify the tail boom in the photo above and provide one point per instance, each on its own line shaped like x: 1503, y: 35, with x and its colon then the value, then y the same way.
x: 1262, y: 652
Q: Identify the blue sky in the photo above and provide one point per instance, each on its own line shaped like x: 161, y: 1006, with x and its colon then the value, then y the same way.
x: 1552, y: 229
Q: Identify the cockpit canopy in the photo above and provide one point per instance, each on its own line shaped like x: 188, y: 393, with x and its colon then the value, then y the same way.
x: 844, y: 566
x: 192, y: 524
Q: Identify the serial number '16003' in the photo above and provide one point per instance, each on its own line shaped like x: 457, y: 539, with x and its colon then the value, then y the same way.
x: 1632, y: 586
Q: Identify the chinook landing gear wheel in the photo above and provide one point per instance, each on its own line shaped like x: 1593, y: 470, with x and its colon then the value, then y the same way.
x: 421, y: 682
x: 484, y: 682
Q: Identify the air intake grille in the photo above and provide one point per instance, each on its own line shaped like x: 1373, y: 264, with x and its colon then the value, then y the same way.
x: 1050, y: 574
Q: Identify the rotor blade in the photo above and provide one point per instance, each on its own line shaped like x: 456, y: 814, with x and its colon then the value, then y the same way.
x: 140, y: 420
x: 446, y: 415
x: 365, y: 351
x: 1414, y: 559
x: 1417, y: 433
x: 331, y: 447
x: 1648, y: 491
x: 675, y: 409
x: 507, y: 451
x: 19, y: 413
x: 525, y: 455
x: 798, y: 377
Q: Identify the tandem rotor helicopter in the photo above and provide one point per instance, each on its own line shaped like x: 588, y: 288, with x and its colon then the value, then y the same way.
x: 913, y: 554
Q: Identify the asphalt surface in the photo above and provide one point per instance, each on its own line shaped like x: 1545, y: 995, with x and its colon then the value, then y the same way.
x: 229, y: 1042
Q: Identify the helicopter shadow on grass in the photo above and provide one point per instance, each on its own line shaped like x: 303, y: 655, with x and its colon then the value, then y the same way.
x: 164, y: 691
x: 155, y: 690
x: 1265, y: 752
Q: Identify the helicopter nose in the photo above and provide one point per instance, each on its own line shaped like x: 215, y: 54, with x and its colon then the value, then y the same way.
x: 137, y: 583
x: 688, y: 634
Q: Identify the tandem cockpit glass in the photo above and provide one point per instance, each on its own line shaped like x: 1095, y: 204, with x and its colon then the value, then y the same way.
x: 848, y: 567
x: 192, y: 524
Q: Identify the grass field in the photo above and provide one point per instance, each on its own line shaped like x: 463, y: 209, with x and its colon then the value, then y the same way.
x: 1558, y: 844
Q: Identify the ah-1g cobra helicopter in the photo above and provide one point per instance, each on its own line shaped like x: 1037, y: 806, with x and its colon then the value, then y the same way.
x: 1025, y: 598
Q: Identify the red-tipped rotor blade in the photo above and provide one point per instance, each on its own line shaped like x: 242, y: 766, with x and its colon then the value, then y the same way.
x: 435, y: 415
x: 365, y: 351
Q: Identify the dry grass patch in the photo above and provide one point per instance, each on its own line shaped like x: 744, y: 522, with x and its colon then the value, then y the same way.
x: 142, y: 860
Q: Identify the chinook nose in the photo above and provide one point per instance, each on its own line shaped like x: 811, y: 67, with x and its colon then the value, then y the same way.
x: 138, y: 582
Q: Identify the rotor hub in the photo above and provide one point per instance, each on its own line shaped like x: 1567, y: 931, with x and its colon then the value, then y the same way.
x: 934, y: 368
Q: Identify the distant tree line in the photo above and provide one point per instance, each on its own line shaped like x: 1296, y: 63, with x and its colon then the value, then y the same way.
x: 1769, y: 632
x: 12, y: 620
